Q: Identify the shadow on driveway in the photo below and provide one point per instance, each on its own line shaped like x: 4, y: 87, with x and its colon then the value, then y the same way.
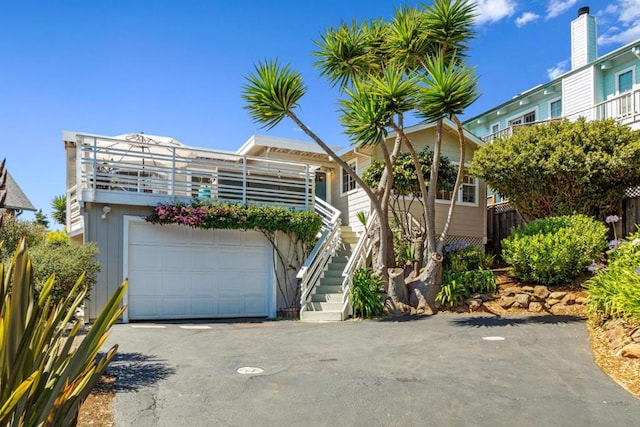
x: 498, y: 321
x: 136, y: 370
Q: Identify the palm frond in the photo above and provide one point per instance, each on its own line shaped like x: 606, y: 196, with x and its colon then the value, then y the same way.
x: 448, y: 89
x: 272, y: 92
x: 450, y: 24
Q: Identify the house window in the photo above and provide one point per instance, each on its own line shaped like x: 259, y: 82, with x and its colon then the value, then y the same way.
x: 467, y: 193
x: 555, y: 109
x: 495, y: 128
x: 625, y: 81
x: 348, y: 183
x: 529, y: 117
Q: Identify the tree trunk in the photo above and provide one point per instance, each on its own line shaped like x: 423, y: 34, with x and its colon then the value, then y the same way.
x: 423, y: 290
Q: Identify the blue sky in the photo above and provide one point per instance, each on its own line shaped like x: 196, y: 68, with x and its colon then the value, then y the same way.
x: 175, y: 68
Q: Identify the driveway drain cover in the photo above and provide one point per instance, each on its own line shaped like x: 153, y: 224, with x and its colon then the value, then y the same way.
x: 493, y: 338
x: 250, y: 370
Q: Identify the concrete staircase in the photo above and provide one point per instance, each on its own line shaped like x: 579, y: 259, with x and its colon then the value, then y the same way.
x: 327, y: 297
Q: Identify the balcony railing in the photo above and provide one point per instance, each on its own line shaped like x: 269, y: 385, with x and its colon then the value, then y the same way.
x: 147, y: 173
x: 624, y: 108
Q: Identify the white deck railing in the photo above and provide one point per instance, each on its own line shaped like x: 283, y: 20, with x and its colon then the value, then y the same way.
x: 623, y: 108
x: 317, y: 261
x: 75, y: 221
x: 146, y: 173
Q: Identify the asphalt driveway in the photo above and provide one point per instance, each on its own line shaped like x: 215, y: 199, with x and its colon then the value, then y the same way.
x: 446, y: 370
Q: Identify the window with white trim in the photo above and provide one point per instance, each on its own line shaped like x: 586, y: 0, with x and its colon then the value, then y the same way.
x: 555, y: 109
x: 624, y: 81
x: 495, y: 128
x: 467, y: 193
x: 529, y: 117
x: 348, y: 183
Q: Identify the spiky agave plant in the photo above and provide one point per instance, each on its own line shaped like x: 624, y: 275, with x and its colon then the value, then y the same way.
x: 43, y: 379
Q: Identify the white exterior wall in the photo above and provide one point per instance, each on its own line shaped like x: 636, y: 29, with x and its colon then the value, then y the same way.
x: 583, y: 41
x: 578, y: 94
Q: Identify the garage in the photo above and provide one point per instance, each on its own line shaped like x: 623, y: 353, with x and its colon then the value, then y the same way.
x: 177, y: 272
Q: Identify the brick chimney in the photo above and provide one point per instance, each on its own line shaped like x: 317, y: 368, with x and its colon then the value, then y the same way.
x: 584, y: 46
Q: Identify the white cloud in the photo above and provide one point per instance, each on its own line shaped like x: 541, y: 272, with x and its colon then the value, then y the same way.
x: 627, y: 15
x: 526, y: 18
x: 559, y: 69
x: 494, y: 10
x: 558, y: 7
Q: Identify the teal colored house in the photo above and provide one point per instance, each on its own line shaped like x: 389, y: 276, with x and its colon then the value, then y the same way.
x: 595, y: 88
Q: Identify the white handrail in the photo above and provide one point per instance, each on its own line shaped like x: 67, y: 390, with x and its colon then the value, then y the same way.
x: 315, y: 264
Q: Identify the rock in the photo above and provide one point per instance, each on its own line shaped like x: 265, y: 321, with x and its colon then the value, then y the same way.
x: 551, y: 302
x: 516, y: 305
x: 541, y: 291
x: 523, y: 300
x: 536, y: 307
x: 581, y: 300
x: 511, y: 291
x: 557, y: 308
x: 462, y: 309
x: 474, y: 305
x: 506, y: 302
x: 635, y: 335
x: 486, y: 297
x: 569, y: 299
x: 557, y: 295
x: 617, y: 336
x: 612, y: 324
x: 528, y: 289
x: 631, y: 351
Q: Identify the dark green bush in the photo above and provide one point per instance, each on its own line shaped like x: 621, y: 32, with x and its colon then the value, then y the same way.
x: 614, y: 290
x: 554, y: 250
x: 363, y: 294
x: 67, y: 263
x: 460, y: 257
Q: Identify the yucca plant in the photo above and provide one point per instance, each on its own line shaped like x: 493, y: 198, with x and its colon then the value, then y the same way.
x: 43, y: 379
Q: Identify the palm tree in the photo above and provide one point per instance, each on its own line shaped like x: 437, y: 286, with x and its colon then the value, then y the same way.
x: 59, y: 206
x: 385, y: 70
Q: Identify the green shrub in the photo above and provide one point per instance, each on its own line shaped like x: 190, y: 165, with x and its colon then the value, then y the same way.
x: 363, y: 294
x: 67, y: 263
x: 554, y: 250
x: 459, y: 256
x: 452, y: 293
x: 614, y: 291
x: 457, y: 286
x: 13, y: 230
x: 43, y: 380
x: 57, y: 238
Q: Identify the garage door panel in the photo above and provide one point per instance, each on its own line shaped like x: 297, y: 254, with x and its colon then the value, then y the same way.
x: 197, y: 273
x: 204, y: 306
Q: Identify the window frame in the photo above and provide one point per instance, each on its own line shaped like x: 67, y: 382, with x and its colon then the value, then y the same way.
x: 521, y: 117
x: 552, y: 101
x: 459, y: 196
x: 343, y: 174
x: 632, y: 70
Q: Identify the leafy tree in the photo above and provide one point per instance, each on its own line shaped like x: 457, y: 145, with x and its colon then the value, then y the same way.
x: 41, y: 219
x: 59, y: 206
x: 406, y: 192
x: 563, y: 167
x: 412, y: 63
x: 3, y: 191
x: 13, y: 230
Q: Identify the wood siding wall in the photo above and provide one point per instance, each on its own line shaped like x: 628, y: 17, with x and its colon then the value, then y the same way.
x: 578, y: 94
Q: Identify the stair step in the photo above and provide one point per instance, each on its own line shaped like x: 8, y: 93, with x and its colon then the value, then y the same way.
x: 331, y: 281
x: 321, y: 316
x: 329, y: 289
x: 335, y: 298
x: 324, y: 306
x: 333, y: 272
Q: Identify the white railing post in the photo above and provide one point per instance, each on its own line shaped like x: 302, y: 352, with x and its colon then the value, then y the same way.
x: 306, y: 188
x: 173, y: 172
x: 95, y: 165
x: 244, y: 180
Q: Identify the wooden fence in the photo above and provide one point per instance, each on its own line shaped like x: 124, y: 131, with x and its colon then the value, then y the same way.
x: 502, y: 217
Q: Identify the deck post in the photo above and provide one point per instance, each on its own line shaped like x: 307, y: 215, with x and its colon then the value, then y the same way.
x: 244, y: 180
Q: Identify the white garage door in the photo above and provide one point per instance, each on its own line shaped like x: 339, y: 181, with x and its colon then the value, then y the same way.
x: 176, y: 272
